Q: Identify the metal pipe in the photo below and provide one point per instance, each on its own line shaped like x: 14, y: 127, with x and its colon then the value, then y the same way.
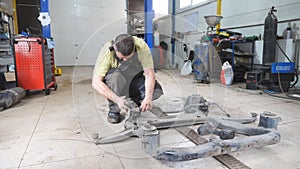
x: 219, y: 13
x: 173, y: 30
x: 148, y: 23
x: 261, y: 24
x: 44, y: 7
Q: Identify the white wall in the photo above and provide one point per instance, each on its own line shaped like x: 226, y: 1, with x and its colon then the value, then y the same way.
x: 235, y: 13
x: 255, y: 11
x: 81, y: 27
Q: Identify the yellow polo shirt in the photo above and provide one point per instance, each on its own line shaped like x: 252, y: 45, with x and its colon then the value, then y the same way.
x: 106, y: 59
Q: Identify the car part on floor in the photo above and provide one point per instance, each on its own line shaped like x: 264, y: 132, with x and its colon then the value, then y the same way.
x: 193, y: 104
x: 11, y: 96
x: 256, y: 137
x: 269, y: 120
x: 226, y: 159
x: 135, y: 123
x: 147, y: 129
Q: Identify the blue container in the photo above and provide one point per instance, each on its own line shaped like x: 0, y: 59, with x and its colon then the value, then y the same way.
x: 201, y: 62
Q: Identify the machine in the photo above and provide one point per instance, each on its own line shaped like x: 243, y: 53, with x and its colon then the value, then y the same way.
x: 203, y: 51
x: 276, y: 76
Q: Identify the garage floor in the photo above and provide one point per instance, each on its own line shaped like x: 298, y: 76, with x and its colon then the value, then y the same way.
x: 55, y: 131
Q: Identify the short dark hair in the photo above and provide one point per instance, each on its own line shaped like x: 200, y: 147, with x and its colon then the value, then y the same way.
x: 124, y: 44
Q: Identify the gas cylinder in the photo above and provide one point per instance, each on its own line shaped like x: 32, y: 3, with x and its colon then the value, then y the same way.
x: 270, y: 33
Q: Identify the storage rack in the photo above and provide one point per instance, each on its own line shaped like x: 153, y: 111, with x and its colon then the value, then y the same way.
x: 6, y: 49
x: 232, y: 51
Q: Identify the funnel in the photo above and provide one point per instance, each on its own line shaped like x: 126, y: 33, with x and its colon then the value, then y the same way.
x: 212, y: 20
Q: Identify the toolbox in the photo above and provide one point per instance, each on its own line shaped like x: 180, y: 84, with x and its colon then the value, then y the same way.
x: 34, y: 64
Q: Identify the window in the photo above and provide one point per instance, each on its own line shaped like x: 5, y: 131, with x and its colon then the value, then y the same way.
x: 191, y: 22
x: 160, y: 7
x: 186, y: 3
x: 194, y: 2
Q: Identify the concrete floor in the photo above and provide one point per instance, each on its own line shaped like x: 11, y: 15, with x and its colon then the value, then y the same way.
x: 55, y: 131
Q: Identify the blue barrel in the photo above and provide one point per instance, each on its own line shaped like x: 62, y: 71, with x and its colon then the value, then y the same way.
x: 201, y: 61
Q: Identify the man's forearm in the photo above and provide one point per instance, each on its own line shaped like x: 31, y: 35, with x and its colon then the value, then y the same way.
x: 103, y: 89
x: 149, y: 83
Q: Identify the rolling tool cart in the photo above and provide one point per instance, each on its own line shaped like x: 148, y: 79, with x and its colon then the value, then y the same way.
x: 34, y: 64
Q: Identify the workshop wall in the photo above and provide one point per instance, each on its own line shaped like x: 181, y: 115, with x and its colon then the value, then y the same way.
x: 255, y: 12
x: 81, y: 27
x: 235, y: 14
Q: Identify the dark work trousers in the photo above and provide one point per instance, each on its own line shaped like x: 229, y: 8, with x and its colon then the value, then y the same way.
x: 128, y: 80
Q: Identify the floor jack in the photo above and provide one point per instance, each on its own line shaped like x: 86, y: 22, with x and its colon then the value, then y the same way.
x: 193, y: 113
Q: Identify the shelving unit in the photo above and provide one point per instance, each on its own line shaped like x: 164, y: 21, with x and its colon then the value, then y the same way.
x: 135, y: 17
x: 237, y: 53
x: 230, y: 50
x: 6, y: 56
x: 247, y: 49
x: 6, y: 49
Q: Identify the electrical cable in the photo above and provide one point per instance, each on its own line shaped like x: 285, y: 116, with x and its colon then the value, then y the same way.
x: 288, y: 96
x: 295, y: 70
x: 280, y: 85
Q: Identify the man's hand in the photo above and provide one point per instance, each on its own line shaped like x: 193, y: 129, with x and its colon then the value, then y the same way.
x: 146, y: 104
x: 122, y: 104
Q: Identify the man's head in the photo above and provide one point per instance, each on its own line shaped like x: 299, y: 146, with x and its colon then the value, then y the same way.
x: 124, y: 46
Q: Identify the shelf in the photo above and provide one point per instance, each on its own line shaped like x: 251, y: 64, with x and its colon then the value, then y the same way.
x: 229, y: 50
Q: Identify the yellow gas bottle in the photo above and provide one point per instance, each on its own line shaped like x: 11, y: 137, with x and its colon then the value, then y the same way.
x: 57, y: 71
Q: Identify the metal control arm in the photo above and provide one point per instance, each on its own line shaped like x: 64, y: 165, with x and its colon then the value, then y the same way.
x: 256, y: 137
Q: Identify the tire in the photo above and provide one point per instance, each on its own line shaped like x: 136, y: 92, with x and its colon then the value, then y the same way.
x: 47, y: 91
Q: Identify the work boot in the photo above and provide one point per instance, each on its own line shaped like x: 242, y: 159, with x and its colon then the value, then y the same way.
x: 114, y: 117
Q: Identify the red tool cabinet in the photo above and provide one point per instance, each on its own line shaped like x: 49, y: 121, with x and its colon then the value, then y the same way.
x: 34, y: 64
